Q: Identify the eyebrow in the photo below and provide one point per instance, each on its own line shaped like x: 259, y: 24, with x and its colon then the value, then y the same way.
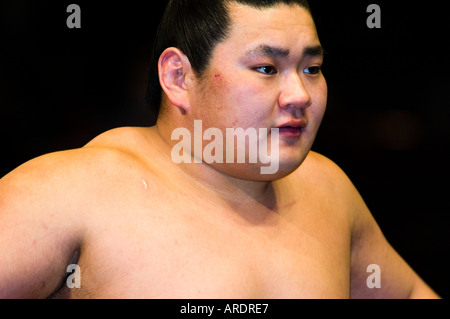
x: 274, y: 52
x: 268, y: 51
x: 315, y: 51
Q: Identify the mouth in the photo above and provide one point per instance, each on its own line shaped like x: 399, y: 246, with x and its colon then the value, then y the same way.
x: 292, y: 129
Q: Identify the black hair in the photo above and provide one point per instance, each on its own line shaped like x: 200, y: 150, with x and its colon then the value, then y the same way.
x: 195, y: 27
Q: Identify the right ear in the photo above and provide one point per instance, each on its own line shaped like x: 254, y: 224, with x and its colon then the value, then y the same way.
x: 173, y: 67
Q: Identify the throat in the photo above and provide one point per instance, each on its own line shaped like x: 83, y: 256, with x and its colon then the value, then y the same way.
x: 254, y: 207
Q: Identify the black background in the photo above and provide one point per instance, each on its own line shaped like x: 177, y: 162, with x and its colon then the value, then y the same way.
x: 386, y: 124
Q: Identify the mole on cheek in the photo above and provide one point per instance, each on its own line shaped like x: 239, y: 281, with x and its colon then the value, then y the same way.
x: 217, y: 81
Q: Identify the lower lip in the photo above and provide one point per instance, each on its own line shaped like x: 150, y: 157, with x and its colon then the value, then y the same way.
x: 290, y: 132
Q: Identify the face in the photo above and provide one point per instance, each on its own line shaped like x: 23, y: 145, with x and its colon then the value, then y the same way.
x: 266, y: 74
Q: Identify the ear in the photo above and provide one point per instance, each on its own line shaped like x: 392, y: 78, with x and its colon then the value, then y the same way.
x: 173, y: 66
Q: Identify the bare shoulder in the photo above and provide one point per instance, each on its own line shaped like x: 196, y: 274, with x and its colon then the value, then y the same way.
x: 325, y: 175
x: 121, y: 138
x: 331, y: 180
x: 368, y: 245
x: 319, y: 164
x: 63, y: 169
x: 72, y: 184
x: 45, y: 205
x: 320, y: 180
x: 78, y: 174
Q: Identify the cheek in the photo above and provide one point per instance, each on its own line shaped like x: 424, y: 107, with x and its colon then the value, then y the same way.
x: 220, y: 91
x: 237, y: 101
x: 319, y: 98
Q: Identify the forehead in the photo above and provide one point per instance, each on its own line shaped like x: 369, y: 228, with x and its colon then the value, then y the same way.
x: 287, y: 26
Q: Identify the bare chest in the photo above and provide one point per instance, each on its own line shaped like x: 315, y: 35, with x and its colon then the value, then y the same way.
x: 189, y: 250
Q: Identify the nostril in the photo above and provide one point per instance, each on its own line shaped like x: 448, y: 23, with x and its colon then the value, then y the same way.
x: 295, y: 99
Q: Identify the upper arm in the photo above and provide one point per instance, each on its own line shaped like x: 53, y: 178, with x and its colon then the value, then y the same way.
x: 397, y: 280
x: 38, y: 233
x: 368, y: 244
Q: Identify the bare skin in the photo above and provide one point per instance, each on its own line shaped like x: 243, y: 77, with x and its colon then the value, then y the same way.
x: 140, y: 226
x: 137, y: 237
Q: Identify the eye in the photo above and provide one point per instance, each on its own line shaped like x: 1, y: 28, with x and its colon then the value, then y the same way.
x: 313, y: 70
x: 266, y: 69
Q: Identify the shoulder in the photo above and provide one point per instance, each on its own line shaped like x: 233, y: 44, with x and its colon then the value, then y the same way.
x: 368, y: 244
x: 325, y: 181
x: 324, y: 173
x: 315, y: 161
x: 73, y: 175
x: 120, y: 139
x: 45, y: 208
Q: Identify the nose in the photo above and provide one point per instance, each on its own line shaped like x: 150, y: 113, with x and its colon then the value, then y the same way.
x: 294, y: 94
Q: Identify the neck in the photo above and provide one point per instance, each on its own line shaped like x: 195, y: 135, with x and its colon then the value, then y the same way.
x: 238, y: 193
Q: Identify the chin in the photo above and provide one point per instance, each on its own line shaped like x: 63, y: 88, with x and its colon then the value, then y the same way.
x: 255, y: 172
x: 284, y: 170
x: 287, y: 161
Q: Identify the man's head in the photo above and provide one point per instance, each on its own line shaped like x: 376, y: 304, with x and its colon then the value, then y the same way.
x: 261, y: 71
x: 196, y: 27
